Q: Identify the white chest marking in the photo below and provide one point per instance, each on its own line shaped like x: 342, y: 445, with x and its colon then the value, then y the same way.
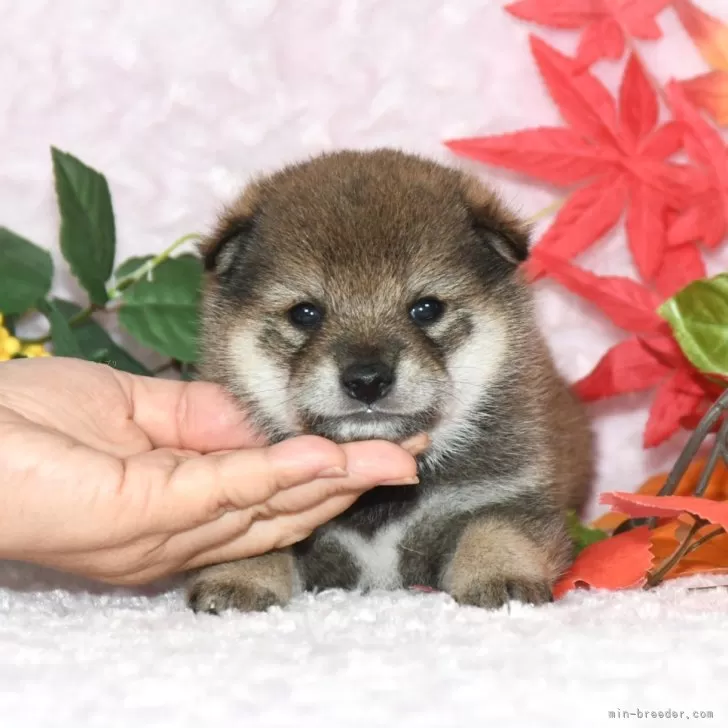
x: 378, y: 557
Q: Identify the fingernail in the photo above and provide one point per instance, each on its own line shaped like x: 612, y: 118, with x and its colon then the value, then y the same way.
x: 335, y: 472
x: 415, y: 445
x: 402, y: 481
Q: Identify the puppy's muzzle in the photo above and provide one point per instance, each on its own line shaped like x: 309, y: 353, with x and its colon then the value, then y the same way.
x: 367, y: 381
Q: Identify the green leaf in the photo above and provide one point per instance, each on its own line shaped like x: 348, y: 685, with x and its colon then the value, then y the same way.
x: 581, y: 534
x: 698, y: 317
x: 64, y: 341
x: 88, y: 233
x: 9, y: 323
x: 162, y: 313
x: 26, y: 273
x: 131, y: 265
x: 97, y: 345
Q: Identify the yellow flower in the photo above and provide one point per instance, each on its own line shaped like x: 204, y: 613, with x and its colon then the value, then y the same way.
x: 9, y: 345
x: 34, y: 350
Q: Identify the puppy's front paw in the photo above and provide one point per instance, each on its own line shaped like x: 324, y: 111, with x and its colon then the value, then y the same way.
x: 494, y: 593
x: 496, y: 562
x: 215, y: 596
x: 248, y: 585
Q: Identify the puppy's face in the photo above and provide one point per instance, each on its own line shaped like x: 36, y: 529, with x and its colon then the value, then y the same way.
x: 362, y: 296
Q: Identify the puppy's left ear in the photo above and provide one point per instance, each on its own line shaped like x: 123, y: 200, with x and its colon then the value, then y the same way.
x: 497, y: 226
x: 232, y: 233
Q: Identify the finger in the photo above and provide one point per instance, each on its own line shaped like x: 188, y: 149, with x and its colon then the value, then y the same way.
x: 252, y: 477
x: 416, y: 444
x: 189, y: 415
x: 206, y: 486
x: 273, y: 472
x: 265, y: 535
x: 234, y: 535
x: 378, y: 462
x: 369, y: 463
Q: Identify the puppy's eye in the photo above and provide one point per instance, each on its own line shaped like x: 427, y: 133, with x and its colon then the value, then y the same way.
x: 305, y: 316
x: 426, y: 311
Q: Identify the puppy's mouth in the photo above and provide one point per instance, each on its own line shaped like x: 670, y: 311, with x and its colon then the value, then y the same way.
x: 370, y: 424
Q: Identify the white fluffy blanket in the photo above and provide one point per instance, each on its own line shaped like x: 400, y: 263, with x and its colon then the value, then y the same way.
x: 115, y: 660
x: 178, y: 102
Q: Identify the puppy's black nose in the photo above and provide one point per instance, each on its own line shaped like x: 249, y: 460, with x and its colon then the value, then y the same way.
x: 367, y: 381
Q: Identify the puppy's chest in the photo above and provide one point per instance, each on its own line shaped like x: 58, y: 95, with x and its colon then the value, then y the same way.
x: 394, y: 547
x: 377, y: 556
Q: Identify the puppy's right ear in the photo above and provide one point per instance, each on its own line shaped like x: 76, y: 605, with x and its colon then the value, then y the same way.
x: 232, y: 232
x: 494, y: 224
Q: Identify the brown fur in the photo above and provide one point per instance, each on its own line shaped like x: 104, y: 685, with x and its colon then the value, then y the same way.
x: 249, y: 585
x: 363, y: 235
x: 496, y: 560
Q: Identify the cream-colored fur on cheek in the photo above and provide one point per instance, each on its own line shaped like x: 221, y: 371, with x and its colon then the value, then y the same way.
x: 261, y: 378
x: 471, y: 368
x: 321, y: 394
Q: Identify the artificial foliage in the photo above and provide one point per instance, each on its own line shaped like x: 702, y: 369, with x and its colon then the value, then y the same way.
x: 155, y: 297
x: 652, y: 159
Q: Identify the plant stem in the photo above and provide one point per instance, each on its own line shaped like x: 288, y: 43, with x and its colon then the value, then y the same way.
x: 704, y: 539
x: 681, y: 551
x: 687, y: 455
x: 171, y: 364
x: 75, y: 320
x: 656, y: 577
x: 149, y: 266
x: 546, y: 211
x: 122, y: 285
x: 84, y: 315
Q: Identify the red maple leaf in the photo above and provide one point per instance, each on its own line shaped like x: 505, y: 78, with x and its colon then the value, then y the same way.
x: 641, y: 505
x: 621, y: 155
x: 681, y: 264
x: 705, y: 216
x: 618, y: 562
x: 650, y: 360
x: 606, y: 23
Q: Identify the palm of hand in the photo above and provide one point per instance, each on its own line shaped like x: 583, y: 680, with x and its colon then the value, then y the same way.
x: 79, y: 431
x: 126, y: 479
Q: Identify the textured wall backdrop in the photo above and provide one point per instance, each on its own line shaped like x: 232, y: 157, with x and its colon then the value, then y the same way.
x: 177, y: 102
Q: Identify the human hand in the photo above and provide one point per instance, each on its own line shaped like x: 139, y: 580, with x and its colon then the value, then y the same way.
x: 126, y: 479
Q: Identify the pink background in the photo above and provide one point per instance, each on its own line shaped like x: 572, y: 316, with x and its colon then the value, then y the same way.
x: 177, y: 102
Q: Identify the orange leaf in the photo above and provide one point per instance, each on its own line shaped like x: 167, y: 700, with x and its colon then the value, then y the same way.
x: 636, y: 505
x: 717, y: 490
x: 711, y: 557
x: 708, y: 33
x: 709, y: 92
x: 717, y: 485
x: 619, y: 562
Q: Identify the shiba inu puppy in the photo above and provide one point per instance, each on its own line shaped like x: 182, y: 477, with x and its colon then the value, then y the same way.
x: 376, y: 295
